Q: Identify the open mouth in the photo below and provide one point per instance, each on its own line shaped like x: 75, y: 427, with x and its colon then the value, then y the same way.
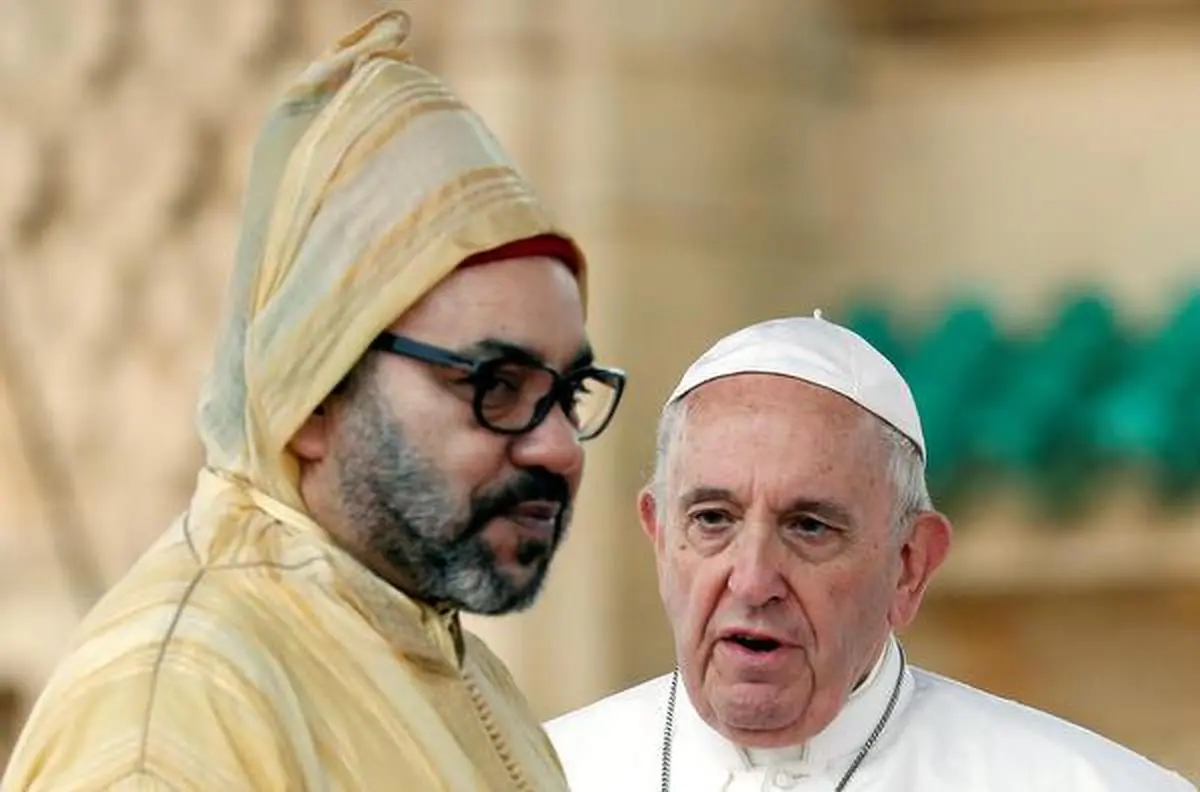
x: 754, y: 643
x: 537, y: 520
x: 538, y: 510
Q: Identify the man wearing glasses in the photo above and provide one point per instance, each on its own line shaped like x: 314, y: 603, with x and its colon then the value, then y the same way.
x: 393, y: 428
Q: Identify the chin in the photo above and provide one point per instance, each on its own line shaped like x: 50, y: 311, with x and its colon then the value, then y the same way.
x: 522, y: 583
x: 764, y: 720
x: 784, y: 738
x: 762, y: 713
x: 519, y: 578
x: 516, y: 596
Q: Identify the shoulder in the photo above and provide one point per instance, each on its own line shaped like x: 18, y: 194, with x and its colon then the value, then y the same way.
x: 1051, y: 748
x: 171, y: 657
x: 128, y: 707
x: 626, y: 725
x: 170, y: 614
x: 615, y: 714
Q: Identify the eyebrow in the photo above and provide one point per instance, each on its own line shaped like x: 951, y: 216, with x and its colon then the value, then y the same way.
x: 499, y: 348
x: 828, y: 510
x: 701, y: 494
x: 825, y: 509
x: 583, y: 358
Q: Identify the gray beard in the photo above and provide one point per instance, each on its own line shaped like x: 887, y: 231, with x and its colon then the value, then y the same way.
x: 404, y: 512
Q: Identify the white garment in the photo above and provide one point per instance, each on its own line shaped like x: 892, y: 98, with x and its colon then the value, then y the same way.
x: 943, y: 736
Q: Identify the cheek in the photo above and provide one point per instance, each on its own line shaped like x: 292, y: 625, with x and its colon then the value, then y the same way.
x: 472, y: 463
x: 691, y: 589
x: 846, y: 609
x: 575, y: 477
x: 471, y: 459
x: 672, y: 586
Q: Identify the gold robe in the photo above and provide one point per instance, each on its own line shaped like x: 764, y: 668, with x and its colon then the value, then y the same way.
x: 262, y: 657
x: 245, y: 651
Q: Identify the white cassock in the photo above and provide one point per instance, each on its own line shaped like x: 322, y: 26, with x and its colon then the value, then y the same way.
x: 941, y: 736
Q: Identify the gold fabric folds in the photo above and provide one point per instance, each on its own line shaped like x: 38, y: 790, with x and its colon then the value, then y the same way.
x: 245, y: 651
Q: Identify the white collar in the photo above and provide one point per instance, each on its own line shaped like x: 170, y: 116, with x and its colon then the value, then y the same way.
x: 712, y: 760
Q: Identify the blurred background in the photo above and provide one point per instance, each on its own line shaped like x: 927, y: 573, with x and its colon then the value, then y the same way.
x: 1002, y: 194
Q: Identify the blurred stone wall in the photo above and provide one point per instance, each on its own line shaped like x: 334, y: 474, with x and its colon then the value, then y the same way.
x: 124, y: 133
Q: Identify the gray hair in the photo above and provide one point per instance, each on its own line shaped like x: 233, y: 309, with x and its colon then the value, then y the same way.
x: 906, y: 467
x: 906, y: 471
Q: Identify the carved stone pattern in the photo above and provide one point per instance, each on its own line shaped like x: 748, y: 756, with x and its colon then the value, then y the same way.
x: 124, y: 145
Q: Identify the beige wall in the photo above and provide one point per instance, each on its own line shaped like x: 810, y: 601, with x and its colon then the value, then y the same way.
x: 722, y: 163
x: 1018, y: 165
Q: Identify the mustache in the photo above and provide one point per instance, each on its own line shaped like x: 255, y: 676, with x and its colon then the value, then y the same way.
x: 533, y: 484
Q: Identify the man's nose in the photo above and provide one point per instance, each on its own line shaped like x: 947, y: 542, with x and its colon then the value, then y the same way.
x: 756, y: 572
x: 553, y: 444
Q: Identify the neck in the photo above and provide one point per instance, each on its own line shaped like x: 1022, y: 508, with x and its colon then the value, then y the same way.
x: 781, y: 747
x: 351, y: 539
x: 851, y: 734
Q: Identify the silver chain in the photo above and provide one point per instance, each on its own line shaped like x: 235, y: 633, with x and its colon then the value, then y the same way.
x: 669, y: 728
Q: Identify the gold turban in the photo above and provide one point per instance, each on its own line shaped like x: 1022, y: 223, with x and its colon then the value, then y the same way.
x: 370, y: 182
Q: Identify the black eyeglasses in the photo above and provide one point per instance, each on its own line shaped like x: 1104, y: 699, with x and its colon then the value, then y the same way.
x: 513, y: 396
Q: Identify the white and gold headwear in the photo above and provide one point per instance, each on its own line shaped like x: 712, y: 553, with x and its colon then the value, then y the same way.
x: 370, y: 183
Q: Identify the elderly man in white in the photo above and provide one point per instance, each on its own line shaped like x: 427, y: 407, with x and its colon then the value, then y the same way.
x: 794, y: 536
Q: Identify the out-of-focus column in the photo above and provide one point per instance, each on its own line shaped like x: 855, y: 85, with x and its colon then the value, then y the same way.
x: 123, y: 150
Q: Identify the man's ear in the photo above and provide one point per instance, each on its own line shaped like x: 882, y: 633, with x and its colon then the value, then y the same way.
x: 310, y: 443
x: 648, y: 514
x: 922, y: 553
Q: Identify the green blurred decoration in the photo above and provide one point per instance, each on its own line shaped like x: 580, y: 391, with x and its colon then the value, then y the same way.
x: 1057, y: 407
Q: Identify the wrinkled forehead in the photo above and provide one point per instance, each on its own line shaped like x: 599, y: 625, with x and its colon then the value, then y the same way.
x: 767, y: 432
x: 532, y: 303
